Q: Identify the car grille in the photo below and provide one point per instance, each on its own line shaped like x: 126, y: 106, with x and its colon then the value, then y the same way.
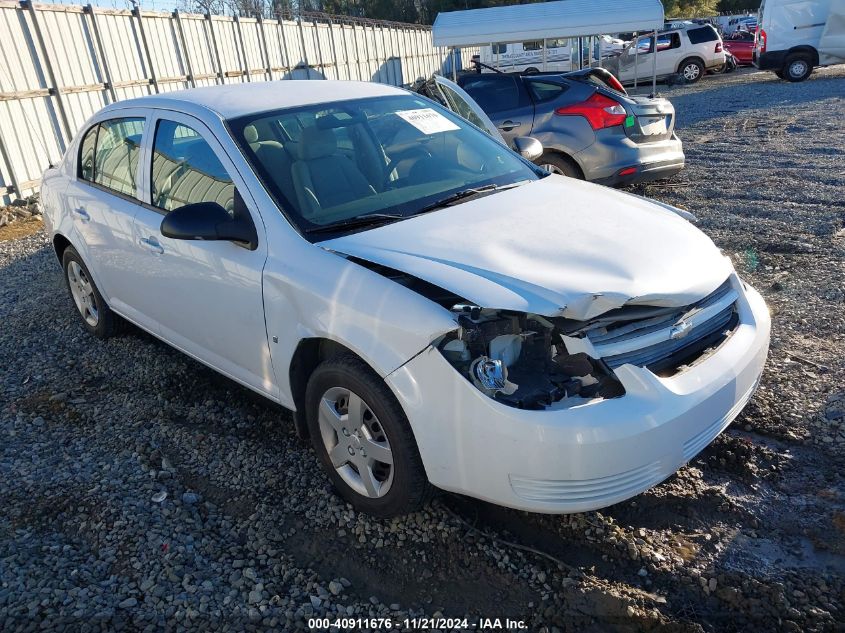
x: 665, y: 339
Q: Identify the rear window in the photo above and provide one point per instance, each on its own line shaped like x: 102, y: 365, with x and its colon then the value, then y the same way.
x: 544, y: 90
x: 704, y: 34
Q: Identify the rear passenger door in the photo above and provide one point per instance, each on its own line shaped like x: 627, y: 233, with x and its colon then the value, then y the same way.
x: 504, y: 99
x: 103, y: 199
x: 204, y: 296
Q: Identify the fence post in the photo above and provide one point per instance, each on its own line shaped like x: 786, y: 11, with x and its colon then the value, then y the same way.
x: 13, y: 178
x: 215, y: 53
x: 346, y: 51
x: 137, y: 13
x: 262, y: 43
x: 357, y: 52
x: 283, y: 40
x: 316, y: 34
x: 101, y: 51
x: 334, y: 50
x: 242, y: 52
x: 51, y: 76
x: 304, y: 50
x: 184, y: 41
x: 384, y: 50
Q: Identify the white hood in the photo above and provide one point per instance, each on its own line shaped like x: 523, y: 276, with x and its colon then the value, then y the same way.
x: 555, y: 247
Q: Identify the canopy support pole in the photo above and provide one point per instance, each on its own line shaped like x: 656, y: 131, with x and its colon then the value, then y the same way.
x: 636, y: 57
x: 454, y: 69
x: 545, y: 68
x: 654, y: 65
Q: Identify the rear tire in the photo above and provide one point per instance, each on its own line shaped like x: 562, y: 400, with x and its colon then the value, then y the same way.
x: 96, y: 315
x: 353, y: 420
x: 691, y: 70
x: 531, y: 71
x: 797, y: 68
x: 559, y: 164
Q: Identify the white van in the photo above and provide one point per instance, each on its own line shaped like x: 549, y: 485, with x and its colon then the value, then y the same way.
x: 794, y: 36
x: 528, y: 56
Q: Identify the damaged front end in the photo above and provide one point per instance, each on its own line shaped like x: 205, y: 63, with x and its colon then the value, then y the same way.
x: 522, y: 360
x: 533, y: 362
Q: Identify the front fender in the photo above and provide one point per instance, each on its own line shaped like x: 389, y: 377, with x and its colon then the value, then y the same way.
x: 324, y: 295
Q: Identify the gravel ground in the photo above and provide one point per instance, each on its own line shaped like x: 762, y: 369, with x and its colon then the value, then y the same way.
x: 749, y: 536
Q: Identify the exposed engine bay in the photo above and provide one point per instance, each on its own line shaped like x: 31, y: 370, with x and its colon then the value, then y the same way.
x: 521, y: 360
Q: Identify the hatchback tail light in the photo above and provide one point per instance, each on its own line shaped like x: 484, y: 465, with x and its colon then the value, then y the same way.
x: 761, y: 40
x: 718, y: 47
x: 599, y: 110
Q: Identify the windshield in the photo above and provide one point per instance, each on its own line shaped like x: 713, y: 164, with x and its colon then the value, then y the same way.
x: 386, y: 156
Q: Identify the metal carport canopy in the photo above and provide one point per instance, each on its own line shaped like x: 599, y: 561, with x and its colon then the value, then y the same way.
x: 545, y: 20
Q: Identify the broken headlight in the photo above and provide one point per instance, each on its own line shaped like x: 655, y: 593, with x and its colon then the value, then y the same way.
x: 521, y: 360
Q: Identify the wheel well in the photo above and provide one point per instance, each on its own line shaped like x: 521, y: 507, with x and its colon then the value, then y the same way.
x: 563, y: 156
x: 60, y: 243
x: 309, y: 353
x: 691, y: 58
x: 809, y: 50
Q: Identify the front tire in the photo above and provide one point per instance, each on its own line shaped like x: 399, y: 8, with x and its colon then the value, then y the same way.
x: 798, y: 67
x: 691, y: 70
x: 364, y: 440
x: 558, y: 164
x: 96, y: 315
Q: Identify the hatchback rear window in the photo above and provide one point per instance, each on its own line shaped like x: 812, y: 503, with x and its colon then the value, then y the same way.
x: 704, y: 34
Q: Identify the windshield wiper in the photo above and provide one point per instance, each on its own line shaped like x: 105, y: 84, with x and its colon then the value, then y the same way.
x: 463, y: 194
x: 367, y: 219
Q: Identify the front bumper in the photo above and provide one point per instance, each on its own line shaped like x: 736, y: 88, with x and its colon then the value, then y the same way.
x: 773, y: 60
x: 605, y: 161
x: 588, y: 456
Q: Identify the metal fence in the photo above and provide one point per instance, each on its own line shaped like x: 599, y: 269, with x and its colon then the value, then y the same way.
x: 61, y: 63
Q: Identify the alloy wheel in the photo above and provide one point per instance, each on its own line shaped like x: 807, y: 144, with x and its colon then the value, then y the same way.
x: 552, y: 169
x: 355, y: 442
x: 82, y: 291
x: 691, y: 72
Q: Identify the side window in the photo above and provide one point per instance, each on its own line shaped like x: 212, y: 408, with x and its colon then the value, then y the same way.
x: 644, y: 45
x: 500, y: 49
x: 534, y: 45
x: 668, y: 41
x: 185, y: 170
x: 704, y: 34
x: 558, y: 43
x: 494, y: 94
x: 544, y: 90
x: 86, y: 154
x: 116, y: 155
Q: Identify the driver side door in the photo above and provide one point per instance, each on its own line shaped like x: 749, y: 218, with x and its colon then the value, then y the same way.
x: 205, y: 297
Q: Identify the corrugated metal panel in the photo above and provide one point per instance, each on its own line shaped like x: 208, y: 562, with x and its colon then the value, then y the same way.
x: 116, y: 54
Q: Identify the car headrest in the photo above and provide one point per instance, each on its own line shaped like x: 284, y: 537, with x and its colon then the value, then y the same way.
x: 315, y: 143
x: 250, y: 134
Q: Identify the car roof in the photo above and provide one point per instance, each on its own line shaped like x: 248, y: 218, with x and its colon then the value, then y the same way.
x: 234, y: 100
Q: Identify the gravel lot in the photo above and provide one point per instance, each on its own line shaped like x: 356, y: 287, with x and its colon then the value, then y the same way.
x: 749, y: 536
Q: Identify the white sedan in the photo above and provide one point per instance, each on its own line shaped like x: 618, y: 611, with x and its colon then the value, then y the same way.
x: 436, y: 310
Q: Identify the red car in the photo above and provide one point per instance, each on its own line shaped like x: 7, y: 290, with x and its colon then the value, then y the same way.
x: 741, y: 46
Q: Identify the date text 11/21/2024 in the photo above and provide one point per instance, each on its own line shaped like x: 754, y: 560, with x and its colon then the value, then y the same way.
x: 417, y: 624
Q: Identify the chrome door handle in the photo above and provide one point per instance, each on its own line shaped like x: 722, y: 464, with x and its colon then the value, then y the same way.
x: 152, y: 244
x: 82, y: 214
x: 507, y: 126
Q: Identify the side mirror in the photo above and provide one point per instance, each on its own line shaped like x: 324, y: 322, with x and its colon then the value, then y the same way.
x: 528, y: 147
x: 210, y: 221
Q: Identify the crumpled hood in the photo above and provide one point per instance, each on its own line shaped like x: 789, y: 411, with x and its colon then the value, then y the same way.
x: 554, y: 247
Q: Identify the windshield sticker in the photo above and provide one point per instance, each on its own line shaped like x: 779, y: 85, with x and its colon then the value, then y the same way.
x: 427, y: 121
